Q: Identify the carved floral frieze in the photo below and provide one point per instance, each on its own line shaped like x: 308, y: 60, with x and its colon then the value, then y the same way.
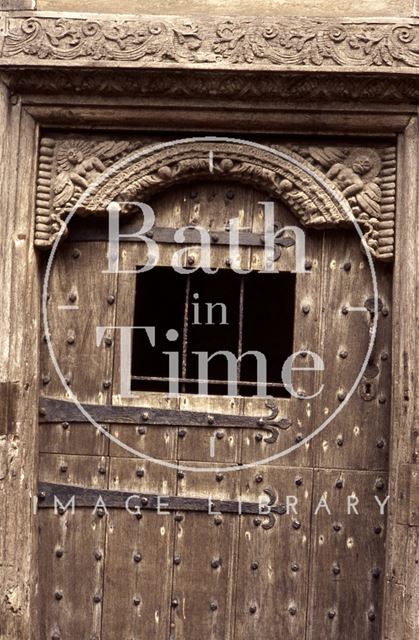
x: 160, y: 41
x: 364, y: 177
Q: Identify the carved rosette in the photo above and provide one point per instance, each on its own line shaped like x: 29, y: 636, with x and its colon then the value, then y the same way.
x: 314, y: 182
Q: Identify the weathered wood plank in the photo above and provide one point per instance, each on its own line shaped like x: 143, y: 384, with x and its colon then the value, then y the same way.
x: 19, y: 368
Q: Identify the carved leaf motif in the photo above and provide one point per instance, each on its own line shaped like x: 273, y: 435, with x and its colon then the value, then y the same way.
x: 291, y: 42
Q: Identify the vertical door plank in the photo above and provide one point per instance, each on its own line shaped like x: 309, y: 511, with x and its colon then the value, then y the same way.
x: 206, y: 552
x: 273, y: 565
x: 71, y: 551
x: 139, y: 556
x: 347, y: 575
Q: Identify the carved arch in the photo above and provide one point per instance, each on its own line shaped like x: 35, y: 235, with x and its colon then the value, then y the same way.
x: 315, y: 199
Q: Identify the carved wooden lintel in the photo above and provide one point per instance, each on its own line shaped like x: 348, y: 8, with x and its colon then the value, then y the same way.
x: 314, y: 182
x: 241, y: 42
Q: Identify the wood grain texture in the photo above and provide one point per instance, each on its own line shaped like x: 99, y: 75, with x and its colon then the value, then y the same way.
x: 19, y: 365
x: 235, y: 7
x: 402, y: 569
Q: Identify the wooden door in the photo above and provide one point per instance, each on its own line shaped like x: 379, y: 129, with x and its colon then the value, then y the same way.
x: 214, y: 565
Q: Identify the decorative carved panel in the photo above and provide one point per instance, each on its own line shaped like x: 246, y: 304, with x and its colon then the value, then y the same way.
x: 363, y: 177
x: 155, y: 40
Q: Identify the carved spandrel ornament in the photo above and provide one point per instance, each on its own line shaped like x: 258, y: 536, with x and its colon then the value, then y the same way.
x: 365, y: 177
x: 173, y: 41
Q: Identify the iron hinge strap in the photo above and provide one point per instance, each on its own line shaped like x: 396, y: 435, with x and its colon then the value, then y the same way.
x: 166, y: 235
x: 53, y: 410
x: 51, y: 495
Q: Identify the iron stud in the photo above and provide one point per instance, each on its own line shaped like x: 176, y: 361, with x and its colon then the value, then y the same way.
x: 139, y: 473
x: 376, y: 572
x: 378, y: 529
x: 139, y: 516
x: 371, y: 616
x: 341, y: 396
x: 252, y: 609
x: 100, y: 512
x: 137, y: 557
x: 308, y: 265
x: 292, y: 611
x: 331, y: 614
x: 63, y: 467
x: 175, y: 603
x: 258, y: 437
x: 145, y: 416
x: 220, y: 435
x: 336, y: 570
x: 343, y: 354
x: 42, y: 411
x: 219, y: 477
x: 58, y: 595
x: 76, y: 254
x: 295, y: 567
x: 42, y: 495
x: 136, y: 601
x: 97, y: 599
x: 213, y: 606
x: 299, y: 481
x: 305, y: 309
x: 72, y: 297
x: 339, y: 484
x: 108, y: 342
x: 298, y: 437
x: 384, y: 355
x: 218, y: 520
x: 337, y: 526
x: 98, y: 555
x: 257, y: 522
x: 182, y: 433
x: 102, y: 470
x: 59, y: 553
x: 228, y: 262
x: 141, y: 430
x: 380, y: 444
x: 110, y: 299
x: 106, y: 384
x: 210, y: 419
x: 191, y: 260
x: 144, y: 501
x: 347, y: 266
x: 345, y: 310
x: 385, y: 312
x: 46, y: 379
x: 215, y: 563
x: 180, y: 475
x: 296, y: 525
x: 65, y: 425
x: 382, y: 399
x: 259, y: 478
x: 178, y: 517
x: 176, y: 559
x: 379, y: 483
x: 255, y: 565
x: 339, y: 441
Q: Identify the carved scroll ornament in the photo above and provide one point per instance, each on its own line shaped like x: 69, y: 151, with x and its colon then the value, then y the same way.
x: 363, y: 177
x: 173, y: 41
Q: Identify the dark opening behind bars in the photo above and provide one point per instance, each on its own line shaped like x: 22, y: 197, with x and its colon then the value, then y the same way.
x: 259, y: 312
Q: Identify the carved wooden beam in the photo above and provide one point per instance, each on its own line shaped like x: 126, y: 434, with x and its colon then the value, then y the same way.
x: 240, y: 42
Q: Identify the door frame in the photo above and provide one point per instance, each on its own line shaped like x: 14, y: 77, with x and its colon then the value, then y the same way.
x: 184, y: 94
